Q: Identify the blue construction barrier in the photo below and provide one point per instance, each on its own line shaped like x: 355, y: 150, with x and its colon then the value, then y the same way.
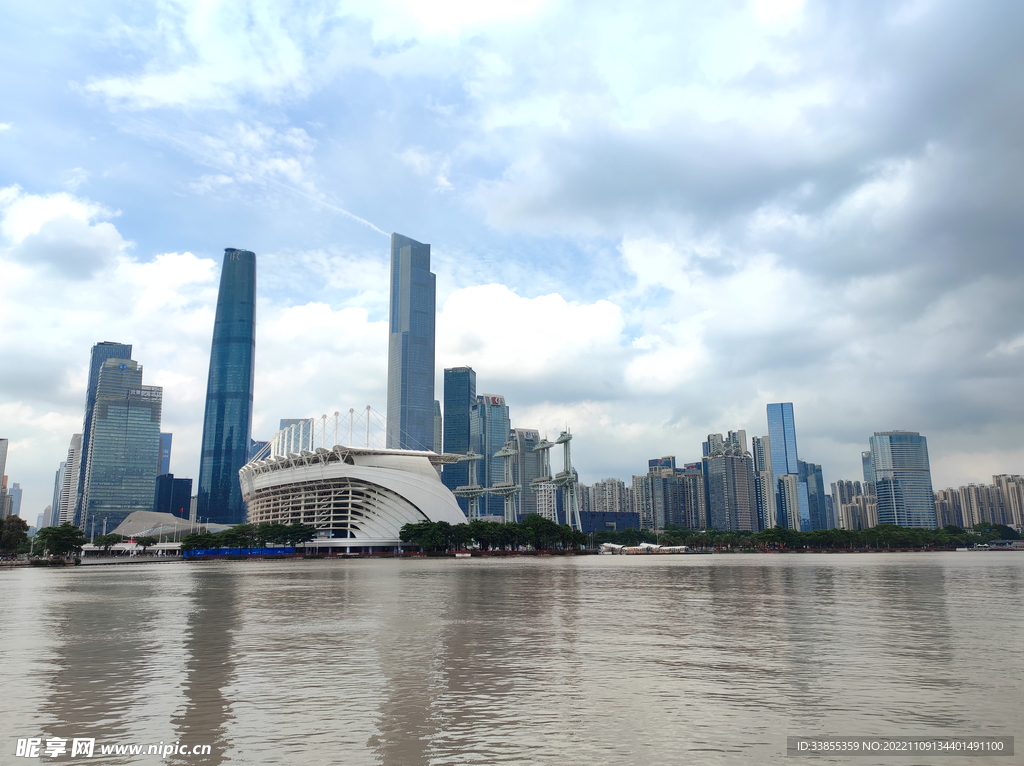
x: 207, y: 553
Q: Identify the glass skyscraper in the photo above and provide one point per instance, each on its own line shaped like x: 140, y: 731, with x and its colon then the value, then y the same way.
x: 411, y: 347
x: 903, y: 479
x: 101, y: 352
x: 459, y: 400
x: 124, y: 447
x: 782, y: 445
x: 227, y: 424
x: 489, y: 430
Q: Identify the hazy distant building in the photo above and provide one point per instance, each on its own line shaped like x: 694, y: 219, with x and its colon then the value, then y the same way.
x: 410, y: 416
x: 15, y: 494
x: 124, y: 446
x: 58, y: 485
x: 100, y: 353
x: 489, y: 430
x: 902, y: 479
x: 64, y: 511
x: 227, y: 421
x: 669, y: 495
x: 459, y: 400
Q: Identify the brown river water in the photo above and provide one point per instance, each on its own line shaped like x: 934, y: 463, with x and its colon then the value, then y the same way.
x: 583, y: 660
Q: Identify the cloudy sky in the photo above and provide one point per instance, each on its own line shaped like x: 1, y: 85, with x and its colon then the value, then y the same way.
x: 646, y: 223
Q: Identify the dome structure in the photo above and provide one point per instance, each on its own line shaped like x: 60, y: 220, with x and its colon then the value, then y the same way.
x: 357, y: 498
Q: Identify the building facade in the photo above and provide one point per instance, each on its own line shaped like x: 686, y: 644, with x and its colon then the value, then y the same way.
x: 489, y: 430
x: 459, y: 400
x: 227, y: 422
x: 100, y: 353
x: 902, y: 479
x: 729, y: 477
x: 410, y: 415
x: 165, y: 454
x: 529, y: 467
x: 124, y: 446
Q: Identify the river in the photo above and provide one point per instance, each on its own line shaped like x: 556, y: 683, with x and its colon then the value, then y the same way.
x: 576, y: 660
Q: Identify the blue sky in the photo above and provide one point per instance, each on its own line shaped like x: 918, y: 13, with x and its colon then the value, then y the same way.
x: 646, y: 223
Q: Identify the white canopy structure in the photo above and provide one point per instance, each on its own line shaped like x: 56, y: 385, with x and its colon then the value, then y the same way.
x: 357, y: 498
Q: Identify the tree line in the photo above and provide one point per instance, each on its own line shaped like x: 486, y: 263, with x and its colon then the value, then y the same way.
x: 534, y: 531
x: 249, y: 536
x: 778, y: 538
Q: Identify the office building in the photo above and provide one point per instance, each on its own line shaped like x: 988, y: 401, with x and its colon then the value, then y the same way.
x: 902, y: 479
x: 809, y: 474
x: 124, y: 445
x: 4, y: 443
x: 785, y: 460
x: 172, y: 496
x: 410, y: 415
x: 165, y: 454
x: 489, y: 428
x: 459, y: 400
x: 227, y: 421
x: 529, y: 466
x: 100, y: 353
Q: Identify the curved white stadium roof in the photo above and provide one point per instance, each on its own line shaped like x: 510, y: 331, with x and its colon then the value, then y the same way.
x: 355, y: 497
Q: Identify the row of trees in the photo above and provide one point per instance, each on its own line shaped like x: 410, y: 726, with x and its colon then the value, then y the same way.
x: 534, y: 532
x: 778, y: 538
x: 250, y: 536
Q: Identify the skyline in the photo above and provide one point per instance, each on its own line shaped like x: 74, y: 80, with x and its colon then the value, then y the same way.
x: 646, y: 237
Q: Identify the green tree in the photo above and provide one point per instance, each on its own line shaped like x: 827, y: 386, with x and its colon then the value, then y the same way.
x: 296, y: 534
x: 14, y: 536
x: 106, y: 542
x: 146, y: 541
x: 60, y: 541
x: 199, y: 541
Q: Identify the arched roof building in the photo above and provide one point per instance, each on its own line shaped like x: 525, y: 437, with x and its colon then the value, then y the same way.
x: 357, y: 498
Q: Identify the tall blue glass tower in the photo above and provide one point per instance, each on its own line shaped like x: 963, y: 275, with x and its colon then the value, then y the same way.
x: 459, y: 399
x: 782, y: 442
x: 411, y: 347
x: 227, y: 425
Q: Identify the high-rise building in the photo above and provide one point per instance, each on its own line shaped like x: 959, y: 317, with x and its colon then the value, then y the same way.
x: 729, y: 477
x: 227, y: 422
x: 608, y: 496
x: 529, y: 465
x: 69, y: 493
x: 765, y: 485
x: 1012, y: 488
x: 809, y: 474
x: 903, y: 479
x: 124, y: 446
x: 670, y: 495
x: 165, y: 454
x: 489, y: 430
x: 58, y: 486
x: 172, y: 495
x: 15, y: 495
x: 410, y: 416
x: 785, y: 460
x: 100, y: 353
x: 947, y: 508
x: 459, y: 400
